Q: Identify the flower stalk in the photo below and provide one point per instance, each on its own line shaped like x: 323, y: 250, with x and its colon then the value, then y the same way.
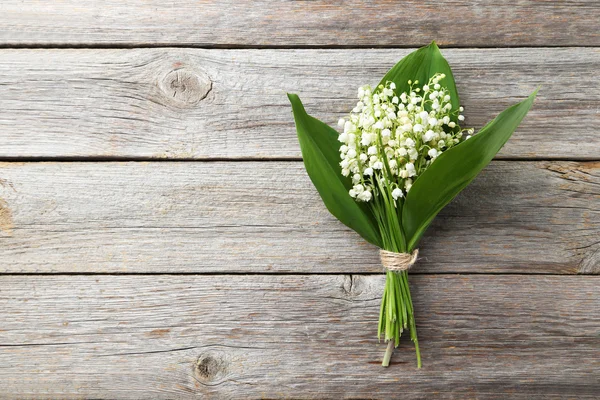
x: 397, y: 315
x: 396, y: 312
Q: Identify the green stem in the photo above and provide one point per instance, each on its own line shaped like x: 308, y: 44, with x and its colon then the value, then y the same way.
x: 413, y: 326
x: 397, y: 314
x: 416, y: 342
x: 388, y: 353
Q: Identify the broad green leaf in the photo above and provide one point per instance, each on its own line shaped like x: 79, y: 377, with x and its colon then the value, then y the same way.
x: 320, y: 151
x: 455, y: 168
x: 421, y: 65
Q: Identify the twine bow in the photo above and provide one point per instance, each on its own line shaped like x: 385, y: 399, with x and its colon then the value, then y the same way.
x: 397, y: 261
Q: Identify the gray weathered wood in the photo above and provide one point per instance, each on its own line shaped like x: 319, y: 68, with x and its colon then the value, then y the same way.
x: 129, y: 337
x: 301, y: 23
x: 528, y: 217
x: 194, y: 103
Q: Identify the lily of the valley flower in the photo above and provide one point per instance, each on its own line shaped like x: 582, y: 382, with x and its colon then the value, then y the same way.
x: 393, y: 139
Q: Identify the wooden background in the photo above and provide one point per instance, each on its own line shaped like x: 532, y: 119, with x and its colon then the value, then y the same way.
x: 159, y: 237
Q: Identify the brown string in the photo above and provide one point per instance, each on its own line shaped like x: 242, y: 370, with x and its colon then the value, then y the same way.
x: 397, y: 261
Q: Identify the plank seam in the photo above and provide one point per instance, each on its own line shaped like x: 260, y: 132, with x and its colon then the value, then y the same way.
x: 96, y: 46
x: 78, y: 159
x: 542, y: 274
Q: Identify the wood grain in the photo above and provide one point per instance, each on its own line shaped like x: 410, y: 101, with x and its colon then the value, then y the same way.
x: 480, y: 23
x: 257, y: 292
x: 216, y: 217
x: 206, y: 104
x: 482, y: 336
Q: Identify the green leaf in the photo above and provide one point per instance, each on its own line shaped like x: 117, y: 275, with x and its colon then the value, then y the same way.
x: 421, y: 65
x: 455, y: 168
x: 320, y: 151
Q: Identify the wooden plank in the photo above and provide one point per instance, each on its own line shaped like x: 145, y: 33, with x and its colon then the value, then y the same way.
x: 480, y: 23
x: 194, y: 103
x: 482, y: 336
x: 526, y: 217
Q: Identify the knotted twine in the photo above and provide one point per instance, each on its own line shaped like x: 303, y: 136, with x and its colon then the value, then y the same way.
x: 397, y: 261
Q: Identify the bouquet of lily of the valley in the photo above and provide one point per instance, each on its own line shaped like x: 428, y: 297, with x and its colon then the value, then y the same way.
x: 401, y: 157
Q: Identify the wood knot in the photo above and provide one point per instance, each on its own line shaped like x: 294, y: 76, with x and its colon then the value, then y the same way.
x: 185, y: 87
x: 352, y: 286
x: 211, y: 366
